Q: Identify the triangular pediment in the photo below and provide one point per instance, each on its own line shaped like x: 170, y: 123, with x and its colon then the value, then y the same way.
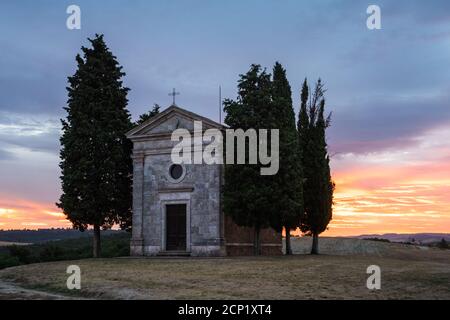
x: 169, y: 120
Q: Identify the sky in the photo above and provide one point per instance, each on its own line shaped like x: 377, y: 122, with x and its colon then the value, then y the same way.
x: 388, y: 91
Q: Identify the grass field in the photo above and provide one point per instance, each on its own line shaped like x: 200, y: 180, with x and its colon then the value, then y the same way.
x: 407, y: 273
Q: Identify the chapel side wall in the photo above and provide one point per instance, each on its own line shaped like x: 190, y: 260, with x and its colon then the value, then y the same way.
x: 239, y: 240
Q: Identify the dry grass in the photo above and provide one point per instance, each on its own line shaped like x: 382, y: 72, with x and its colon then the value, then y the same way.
x: 407, y: 273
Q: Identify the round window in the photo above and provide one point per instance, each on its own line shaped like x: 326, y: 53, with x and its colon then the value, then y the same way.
x: 176, y: 171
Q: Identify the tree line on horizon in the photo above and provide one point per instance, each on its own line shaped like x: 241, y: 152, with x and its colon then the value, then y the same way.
x: 96, y: 167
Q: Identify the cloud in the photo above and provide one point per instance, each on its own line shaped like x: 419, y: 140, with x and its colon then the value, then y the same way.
x: 386, y: 123
x: 35, y: 133
x: 394, y: 191
x: 6, y: 155
x: 19, y: 213
x: 388, y: 89
x: 418, y: 13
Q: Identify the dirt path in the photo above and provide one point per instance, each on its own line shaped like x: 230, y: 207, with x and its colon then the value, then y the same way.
x: 9, y: 291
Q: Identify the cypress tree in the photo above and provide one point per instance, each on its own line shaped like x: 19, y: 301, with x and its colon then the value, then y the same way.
x: 95, y: 154
x: 288, y: 195
x: 318, y: 187
x: 148, y: 115
x: 303, y: 120
x: 247, y: 194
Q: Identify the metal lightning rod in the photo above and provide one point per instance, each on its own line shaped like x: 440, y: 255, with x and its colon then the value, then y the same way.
x: 220, y: 104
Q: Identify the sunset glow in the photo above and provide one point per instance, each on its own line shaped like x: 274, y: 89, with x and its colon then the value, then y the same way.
x: 388, y: 91
x: 399, y: 191
x: 18, y: 213
x: 403, y: 191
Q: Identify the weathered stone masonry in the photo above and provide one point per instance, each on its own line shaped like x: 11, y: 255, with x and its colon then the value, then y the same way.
x: 198, y: 190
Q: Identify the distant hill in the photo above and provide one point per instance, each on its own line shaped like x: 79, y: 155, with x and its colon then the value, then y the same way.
x: 424, y: 238
x: 46, y: 235
x: 358, y: 247
x: 114, y: 244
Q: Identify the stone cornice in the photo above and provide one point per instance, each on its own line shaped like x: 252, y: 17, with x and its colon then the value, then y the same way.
x: 172, y: 190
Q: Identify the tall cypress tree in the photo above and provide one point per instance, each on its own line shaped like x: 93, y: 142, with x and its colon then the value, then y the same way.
x: 303, y: 120
x: 288, y: 195
x: 247, y: 194
x: 318, y: 187
x: 95, y: 154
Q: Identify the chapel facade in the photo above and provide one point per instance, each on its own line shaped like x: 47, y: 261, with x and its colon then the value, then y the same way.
x: 177, y: 208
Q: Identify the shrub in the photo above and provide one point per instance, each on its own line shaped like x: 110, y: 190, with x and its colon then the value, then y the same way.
x: 7, y: 261
x: 377, y: 239
x: 20, y: 252
x: 51, y: 252
x: 443, y: 244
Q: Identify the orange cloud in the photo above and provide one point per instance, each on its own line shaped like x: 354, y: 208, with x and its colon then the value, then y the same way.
x: 403, y: 191
x: 17, y: 213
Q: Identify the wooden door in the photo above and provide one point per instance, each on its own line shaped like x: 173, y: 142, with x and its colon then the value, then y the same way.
x: 176, y: 227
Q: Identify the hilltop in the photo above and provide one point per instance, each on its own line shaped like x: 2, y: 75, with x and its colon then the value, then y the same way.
x: 46, y: 235
x: 408, y: 272
x: 423, y: 238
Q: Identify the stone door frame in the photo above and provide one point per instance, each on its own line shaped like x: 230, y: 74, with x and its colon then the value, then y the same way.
x: 164, y: 203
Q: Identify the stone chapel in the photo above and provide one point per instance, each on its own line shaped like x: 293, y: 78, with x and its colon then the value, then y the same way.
x: 177, y: 208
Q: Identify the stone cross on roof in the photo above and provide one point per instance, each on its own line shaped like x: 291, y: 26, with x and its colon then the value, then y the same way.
x: 173, y: 94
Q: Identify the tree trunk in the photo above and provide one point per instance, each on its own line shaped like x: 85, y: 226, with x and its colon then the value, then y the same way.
x: 288, y: 241
x: 96, y: 241
x: 257, y: 244
x: 315, y: 244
